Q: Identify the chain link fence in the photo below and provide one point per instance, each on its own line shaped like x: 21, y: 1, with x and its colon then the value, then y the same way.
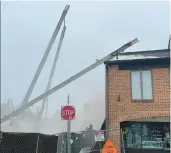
x: 28, y: 143
x: 81, y: 142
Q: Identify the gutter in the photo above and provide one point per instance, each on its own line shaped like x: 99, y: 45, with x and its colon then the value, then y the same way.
x: 159, y: 53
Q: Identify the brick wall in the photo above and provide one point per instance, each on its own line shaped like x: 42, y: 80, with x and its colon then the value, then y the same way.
x: 122, y: 108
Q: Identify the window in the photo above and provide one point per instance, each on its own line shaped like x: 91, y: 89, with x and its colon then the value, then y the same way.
x: 146, y: 135
x: 152, y: 136
x: 141, y: 85
x: 166, y: 129
x: 132, y: 135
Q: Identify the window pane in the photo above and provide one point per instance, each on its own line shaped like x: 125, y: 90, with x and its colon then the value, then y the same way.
x: 152, y: 136
x: 147, y: 84
x: 166, y: 129
x: 132, y: 135
x: 136, y: 85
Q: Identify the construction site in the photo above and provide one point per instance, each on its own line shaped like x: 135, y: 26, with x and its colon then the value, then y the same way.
x: 24, y: 119
x: 27, y: 127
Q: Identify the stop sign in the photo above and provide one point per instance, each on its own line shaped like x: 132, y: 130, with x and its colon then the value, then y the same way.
x: 68, y: 112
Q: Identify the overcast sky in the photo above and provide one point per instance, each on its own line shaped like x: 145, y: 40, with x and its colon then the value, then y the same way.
x: 94, y: 29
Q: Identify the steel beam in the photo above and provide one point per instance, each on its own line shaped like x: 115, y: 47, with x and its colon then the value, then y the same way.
x: 42, y: 63
x: 69, y: 80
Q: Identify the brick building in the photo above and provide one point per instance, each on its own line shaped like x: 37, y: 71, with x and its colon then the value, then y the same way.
x: 138, y: 103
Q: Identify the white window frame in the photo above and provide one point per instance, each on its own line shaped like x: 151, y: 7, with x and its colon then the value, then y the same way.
x: 141, y: 84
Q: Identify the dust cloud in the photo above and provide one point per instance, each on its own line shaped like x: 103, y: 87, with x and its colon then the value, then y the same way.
x: 89, y: 113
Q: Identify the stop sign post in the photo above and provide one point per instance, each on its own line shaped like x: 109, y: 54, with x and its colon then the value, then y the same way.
x: 67, y: 112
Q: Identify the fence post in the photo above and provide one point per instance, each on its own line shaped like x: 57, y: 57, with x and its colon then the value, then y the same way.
x: 62, y: 145
x: 37, y: 143
x: 57, y: 142
x: 65, y: 143
x: 1, y: 137
x: 100, y: 147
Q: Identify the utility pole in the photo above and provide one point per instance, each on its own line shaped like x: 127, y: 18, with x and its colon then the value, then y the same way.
x: 68, y: 133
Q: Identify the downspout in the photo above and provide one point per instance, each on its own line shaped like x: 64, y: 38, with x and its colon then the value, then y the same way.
x: 106, y: 103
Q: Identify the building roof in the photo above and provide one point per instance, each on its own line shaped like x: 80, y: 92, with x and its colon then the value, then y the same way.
x: 140, y: 56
